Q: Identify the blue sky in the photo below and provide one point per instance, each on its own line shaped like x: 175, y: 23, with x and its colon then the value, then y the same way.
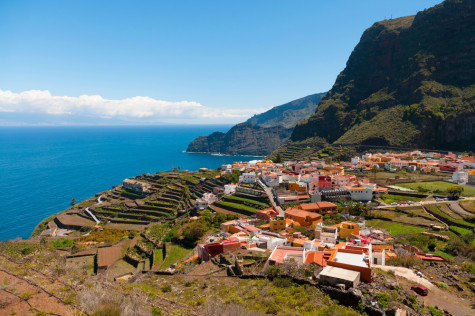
x: 226, y: 59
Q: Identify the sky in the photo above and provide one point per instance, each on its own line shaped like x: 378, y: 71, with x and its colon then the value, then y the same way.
x: 118, y: 62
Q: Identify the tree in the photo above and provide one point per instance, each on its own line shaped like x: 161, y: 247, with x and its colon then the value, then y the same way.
x: 194, y: 231
x: 73, y: 201
x: 278, y: 159
x: 454, y: 191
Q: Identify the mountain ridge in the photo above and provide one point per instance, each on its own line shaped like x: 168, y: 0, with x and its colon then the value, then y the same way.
x: 409, y: 82
x: 260, y: 134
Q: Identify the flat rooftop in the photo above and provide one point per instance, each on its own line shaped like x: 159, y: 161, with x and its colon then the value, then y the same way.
x: 340, y: 273
x: 355, y: 259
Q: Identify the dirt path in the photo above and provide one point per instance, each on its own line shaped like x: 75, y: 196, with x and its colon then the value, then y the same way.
x: 442, y: 299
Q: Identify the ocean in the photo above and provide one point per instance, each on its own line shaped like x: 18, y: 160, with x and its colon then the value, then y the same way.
x: 43, y: 168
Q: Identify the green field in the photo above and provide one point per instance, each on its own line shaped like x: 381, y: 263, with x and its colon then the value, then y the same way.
x: 405, y: 218
x: 238, y: 206
x: 175, y: 253
x: 239, y: 199
x: 394, y: 228
x: 390, y: 198
x: 437, y: 185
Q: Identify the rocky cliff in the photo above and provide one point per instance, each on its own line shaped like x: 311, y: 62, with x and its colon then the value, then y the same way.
x: 262, y: 133
x: 410, y: 82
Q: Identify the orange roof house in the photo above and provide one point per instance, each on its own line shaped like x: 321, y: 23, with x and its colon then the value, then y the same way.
x: 283, y: 254
x: 318, y: 207
x: 304, y: 218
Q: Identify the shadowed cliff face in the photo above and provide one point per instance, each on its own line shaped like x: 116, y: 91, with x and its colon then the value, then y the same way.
x: 409, y: 82
x: 242, y: 139
x: 261, y: 134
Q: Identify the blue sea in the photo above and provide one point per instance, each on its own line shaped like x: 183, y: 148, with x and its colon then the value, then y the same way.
x: 43, y: 168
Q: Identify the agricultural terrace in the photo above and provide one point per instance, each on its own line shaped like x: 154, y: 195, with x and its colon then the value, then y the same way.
x: 436, y: 187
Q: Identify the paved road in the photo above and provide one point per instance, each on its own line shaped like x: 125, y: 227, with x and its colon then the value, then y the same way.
x: 271, y: 197
x: 92, y: 215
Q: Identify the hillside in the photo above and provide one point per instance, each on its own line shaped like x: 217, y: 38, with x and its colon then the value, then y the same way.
x: 262, y: 133
x: 410, y: 82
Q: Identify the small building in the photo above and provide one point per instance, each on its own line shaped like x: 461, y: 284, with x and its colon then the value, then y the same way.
x: 304, y: 218
x: 136, y: 186
x: 335, y: 275
x: 210, y: 250
x: 297, y: 186
x: 266, y: 214
x: 249, y: 177
x: 285, y: 254
x: 348, y: 228
x: 460, y: 177
x: 229, y: 189
x: 355, y: 260
x: 277, y: 224
x: 361, y: 193
x: 471, y: 176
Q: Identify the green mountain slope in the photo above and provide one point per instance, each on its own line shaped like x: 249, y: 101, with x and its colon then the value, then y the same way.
x: 289, y: 114
x: 410, y: 82
x: 261, y: 134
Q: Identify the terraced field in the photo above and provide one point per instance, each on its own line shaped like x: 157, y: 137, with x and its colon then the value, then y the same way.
x: 409, y: 217
x: 456, y: 223
x: 169, y: 197
x: 244, y: 204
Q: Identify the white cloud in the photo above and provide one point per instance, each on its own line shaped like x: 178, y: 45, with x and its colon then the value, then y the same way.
x: 134, y: 109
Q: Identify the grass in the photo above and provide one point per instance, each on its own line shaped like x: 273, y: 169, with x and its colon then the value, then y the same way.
x: 442, y: 254
x: 459, y: 230
x: 394, y: 228
x: 437, y: 185
x: 241, y: 199
x: 61, y: 243
x: 238, y: 206
x: 390, y: 198
x: 158, y: 258
x: 404, y: 218
x: 175, y: 253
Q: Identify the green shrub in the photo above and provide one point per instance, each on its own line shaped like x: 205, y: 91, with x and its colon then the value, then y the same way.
x: 156, y: 311
x: 166, y: 288
x: 442, y: 285
x: 434, y: 311
x: 383, y: 299
x: 61, y: 243
x: 468, y: 267
x: 283, y: 282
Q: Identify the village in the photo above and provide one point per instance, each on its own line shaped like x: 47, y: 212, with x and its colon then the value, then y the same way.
x: 380, y: 227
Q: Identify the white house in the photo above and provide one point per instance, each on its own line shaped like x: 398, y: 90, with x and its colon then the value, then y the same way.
x: 229, y: 189
x: 362, y: 193
x: 249, y: 177
x: 272, y: 179
x: 355, y: 160
x: 460, y: 177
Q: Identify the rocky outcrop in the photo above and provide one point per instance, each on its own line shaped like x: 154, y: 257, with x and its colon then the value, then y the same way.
x: 242, y: 139
x: 261, y: 134
x: 410, y: 82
